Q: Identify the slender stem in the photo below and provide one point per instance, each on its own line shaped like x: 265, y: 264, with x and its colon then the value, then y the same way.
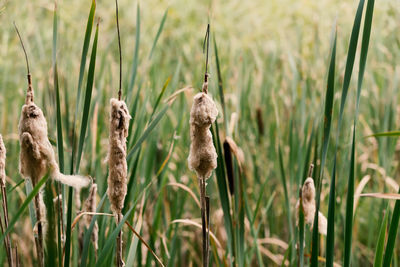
x: 310, y: 170
x: 5, y: 241
x: 120, y: 53
x: 120, y: 261
x: 208, y: 225
x: 202, y: 186
x: 5, y: 213
x: 39, y: 238
x: 206, y: 45
x: 29, y: 92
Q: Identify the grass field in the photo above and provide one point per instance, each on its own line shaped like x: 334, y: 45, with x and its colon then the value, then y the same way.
x: 279, y: 73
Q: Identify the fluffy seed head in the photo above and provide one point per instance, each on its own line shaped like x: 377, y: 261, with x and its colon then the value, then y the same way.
x: 37, y: 156
x: 90, y: 206
x: 202, y: 155
x: 308, y: 202
x: 204, y: 111
x: 117, y: 178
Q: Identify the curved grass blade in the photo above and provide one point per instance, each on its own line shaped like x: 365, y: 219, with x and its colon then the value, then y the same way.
x: 330, y: 241
x: 350, y: 191
x: 386, y: 134
x: 88, y: 98
x: 85, y: 116
x: 221, y: 87
x: 159, y: 97
x: 381, y: 241
x: 364, y: 48
x: 159, y: 32
x: 24, y: 205
x: 223, y: 193
x: 287, y: 199
x: 147, y: 132
x: 60, y: 150
x: 136, y: 53
x: 88, y: 33
x: 51, y: 246
x: 327, y: 129
x: 348, y: 231
x: 392, y: 236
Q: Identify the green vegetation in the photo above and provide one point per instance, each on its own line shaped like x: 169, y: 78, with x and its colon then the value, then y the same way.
x: 295, y: 82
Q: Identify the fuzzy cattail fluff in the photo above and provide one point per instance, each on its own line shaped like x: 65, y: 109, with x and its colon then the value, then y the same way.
x: 308, y: 201
x: 90, y: 206
x: 202, y: 156
x: 2, y: 162
x: 37, y: 156
x: 117, y: 178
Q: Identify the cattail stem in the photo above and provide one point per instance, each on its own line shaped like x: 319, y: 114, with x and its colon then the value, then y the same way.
x: 5, y: 240
x: 208, y: 228
x: 39, y: 237
x: 5, y: 216
x: 29, y: 92
x: 310, y: 170
x: 120, y: 261
x: 204, y: 219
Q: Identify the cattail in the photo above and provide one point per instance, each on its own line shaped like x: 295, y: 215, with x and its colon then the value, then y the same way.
x: 37, y: 156
x: 118, y: 169
x: 308, y: 202
x: 202, y: 156
x: 90, y: 206
x: 117, y: 178
x: 260, y: 122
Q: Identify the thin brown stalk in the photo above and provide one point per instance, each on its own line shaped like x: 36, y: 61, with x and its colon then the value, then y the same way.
x: 203, y: 220
x: 5, y: 241
x: 120, y: 54
x: 120, y: 261
x: 144, y: 243
x: 29, y: 92
x: 5, y: 216
x: 39, y: 230
x: 4, y: 198
x: 17, y: 263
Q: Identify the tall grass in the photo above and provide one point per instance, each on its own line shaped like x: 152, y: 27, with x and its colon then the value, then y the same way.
x: 275, y: 67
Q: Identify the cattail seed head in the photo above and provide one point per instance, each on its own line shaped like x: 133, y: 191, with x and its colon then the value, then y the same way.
x: 117, y: 178
x: 37, y: 156
x: 308, y: 203
x: 90, y: 206
x: 202, y: 155
x: 2, y: 162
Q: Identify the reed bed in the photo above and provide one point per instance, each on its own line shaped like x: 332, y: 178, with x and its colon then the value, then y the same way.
x: 214, y: 177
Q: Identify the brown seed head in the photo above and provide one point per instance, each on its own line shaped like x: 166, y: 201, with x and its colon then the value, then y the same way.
x: 202, y: 155
x: 117, y: 178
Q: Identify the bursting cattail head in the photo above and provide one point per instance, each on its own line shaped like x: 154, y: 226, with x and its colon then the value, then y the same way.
x: 37, y: 156
x: 204, y: 111
x: 202, y: 155
x: 2, y: 162
x: 90, y: 206
x: 308, y: 202
x: 117, y: 178
x: 308, y: 191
